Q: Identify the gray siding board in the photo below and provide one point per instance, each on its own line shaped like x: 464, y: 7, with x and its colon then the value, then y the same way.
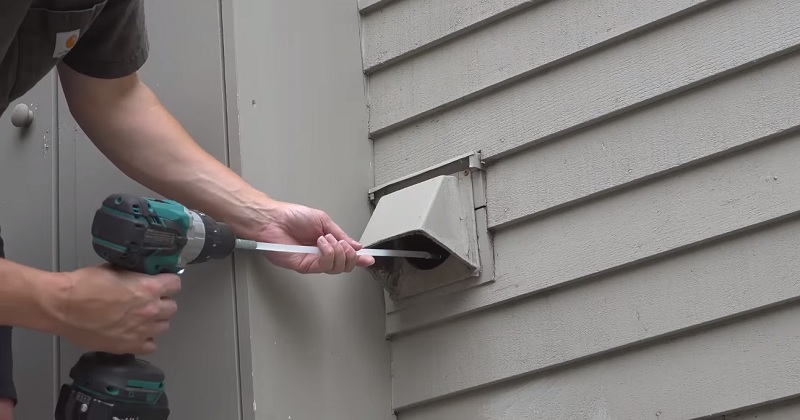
x: 403, y: 27
x: 641, y: 70
x: 708, y: 372
x: 782, y: 410
x: 729, y: 278
x: 365, y: 6
x: 711, y: 120
x: 519, y: 46
x: 743, y: 190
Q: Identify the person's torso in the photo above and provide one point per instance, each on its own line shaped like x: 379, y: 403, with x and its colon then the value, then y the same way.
x: 34, y: 36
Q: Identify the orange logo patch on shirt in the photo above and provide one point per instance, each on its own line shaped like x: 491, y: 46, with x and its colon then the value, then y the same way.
x: 65, y: 41
x: 71, y: 41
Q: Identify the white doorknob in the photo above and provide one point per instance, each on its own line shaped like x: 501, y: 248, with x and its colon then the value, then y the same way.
x: 22, y: 116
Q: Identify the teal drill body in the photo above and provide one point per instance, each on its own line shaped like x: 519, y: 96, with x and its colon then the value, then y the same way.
x: 154, y: 236
x: 151, y: 236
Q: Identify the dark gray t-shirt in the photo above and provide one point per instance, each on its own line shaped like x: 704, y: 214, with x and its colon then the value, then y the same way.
x: 99, y: 38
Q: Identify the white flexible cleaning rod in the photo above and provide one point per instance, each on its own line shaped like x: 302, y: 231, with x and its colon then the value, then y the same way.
x: 264, y: 246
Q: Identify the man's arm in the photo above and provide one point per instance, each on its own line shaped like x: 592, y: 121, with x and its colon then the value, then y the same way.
x: 132, y: 128
x: 129, y: 125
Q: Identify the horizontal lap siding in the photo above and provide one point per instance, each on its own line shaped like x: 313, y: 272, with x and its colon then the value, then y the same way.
x: 745, y: 108
x: 520, y: 45
x: 403, y: 27
x: 728, y: 36
x: 642, y: 187
x: 692, y: 206
x: 736, y: 191
x: 599, y: 314
x: 782, y: 410
x: 368, y: 5
x: 741, y: 364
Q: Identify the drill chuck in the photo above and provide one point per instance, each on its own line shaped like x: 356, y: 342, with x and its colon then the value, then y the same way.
x: 155, y: 236
x: 217, y: 239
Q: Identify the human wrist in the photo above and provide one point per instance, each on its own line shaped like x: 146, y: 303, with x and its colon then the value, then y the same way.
x: 49, y: 297
x: 32, y: 298
x: 253, y: 212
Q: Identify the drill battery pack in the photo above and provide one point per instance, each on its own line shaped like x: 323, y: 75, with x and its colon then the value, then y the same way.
x: 113, y: 387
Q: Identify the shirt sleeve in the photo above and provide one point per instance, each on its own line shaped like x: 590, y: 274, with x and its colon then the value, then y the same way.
x: 7, y: 388
x: 115, y: 45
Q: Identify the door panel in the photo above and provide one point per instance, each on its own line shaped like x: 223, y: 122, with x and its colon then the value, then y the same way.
x: 28, y: 224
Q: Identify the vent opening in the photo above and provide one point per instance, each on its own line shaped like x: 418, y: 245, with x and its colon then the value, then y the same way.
x: 415, y: 242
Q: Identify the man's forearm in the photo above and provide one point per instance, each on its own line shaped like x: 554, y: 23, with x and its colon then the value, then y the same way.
x: 132, y: 128
x: 27, y: 296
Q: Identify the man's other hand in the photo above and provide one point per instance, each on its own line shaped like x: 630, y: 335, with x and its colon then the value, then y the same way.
x: 117, y: 311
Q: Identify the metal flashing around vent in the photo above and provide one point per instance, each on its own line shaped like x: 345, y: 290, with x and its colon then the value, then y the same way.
x: 469, y: 162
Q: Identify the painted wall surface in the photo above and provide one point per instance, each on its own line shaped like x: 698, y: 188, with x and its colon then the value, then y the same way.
x: 642, y: 195
x: 315, y: 341
x: 28, y: 219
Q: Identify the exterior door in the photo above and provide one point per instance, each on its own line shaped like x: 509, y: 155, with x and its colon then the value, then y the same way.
x: 28, y: 221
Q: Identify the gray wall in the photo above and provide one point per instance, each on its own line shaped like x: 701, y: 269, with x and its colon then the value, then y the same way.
x: 28, y: 218
x: 316, y: 341
x: 641, y: 186
x: 249, y: 341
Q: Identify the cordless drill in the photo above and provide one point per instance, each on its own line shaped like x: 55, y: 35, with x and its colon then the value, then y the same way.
x: 149, y: 236
x: 153, y: 236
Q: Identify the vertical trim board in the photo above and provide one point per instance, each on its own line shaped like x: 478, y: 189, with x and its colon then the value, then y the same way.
x: 241, y: 293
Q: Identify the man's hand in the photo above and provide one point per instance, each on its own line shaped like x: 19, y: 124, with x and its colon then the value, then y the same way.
x: 294, y: 224
x: 117, y: 311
